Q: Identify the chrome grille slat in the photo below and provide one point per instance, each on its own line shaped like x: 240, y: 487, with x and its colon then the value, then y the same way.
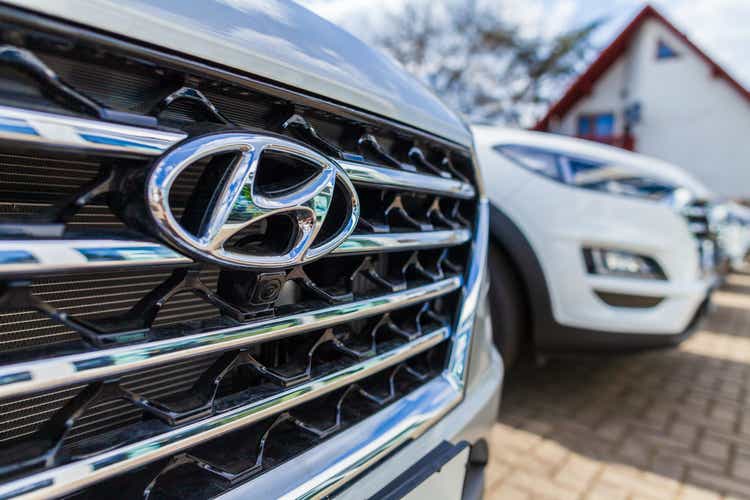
x: 46, y: 374
x: 388, y: 242
x: 103, y: 137
x: 145, y: 254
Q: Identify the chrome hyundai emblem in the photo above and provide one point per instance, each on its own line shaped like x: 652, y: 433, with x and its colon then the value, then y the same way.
x: 238, y: 204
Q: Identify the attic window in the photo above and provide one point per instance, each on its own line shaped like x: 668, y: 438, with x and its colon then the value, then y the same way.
x: 596, y: 125
x: 665, y: 51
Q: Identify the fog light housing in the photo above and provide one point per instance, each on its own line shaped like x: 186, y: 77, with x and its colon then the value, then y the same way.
x: 609, y: 262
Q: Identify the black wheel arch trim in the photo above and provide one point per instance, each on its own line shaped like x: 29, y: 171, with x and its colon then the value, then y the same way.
x: 505, y: 233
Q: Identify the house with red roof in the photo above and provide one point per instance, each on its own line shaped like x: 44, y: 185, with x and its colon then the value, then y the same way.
x: 652, y: 90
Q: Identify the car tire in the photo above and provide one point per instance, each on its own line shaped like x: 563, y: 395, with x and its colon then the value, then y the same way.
x: 507, y: 306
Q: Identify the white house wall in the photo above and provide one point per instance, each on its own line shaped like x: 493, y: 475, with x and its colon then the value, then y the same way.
x: 605, y: 97
x: 689, y: 117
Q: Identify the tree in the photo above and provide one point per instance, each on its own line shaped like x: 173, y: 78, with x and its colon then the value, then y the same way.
x: 480, y: 64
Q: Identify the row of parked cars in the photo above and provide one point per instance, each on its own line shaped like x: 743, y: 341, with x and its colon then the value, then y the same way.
x: 245, y: 255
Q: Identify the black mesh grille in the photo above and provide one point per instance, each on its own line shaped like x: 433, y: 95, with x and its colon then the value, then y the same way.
x: 698, y: 216
x: 91, y: 296
x: 51, y: 179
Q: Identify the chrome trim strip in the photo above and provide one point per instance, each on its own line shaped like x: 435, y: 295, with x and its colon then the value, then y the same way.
x: 30, y: 257
x: 35, y: 376
x: 61, y: 131
x: 471, y: 295
x: 44, y: 256
x: 55, y: 130
x: 391, y: 242
x: 361, y: 173
x: 81, y: 473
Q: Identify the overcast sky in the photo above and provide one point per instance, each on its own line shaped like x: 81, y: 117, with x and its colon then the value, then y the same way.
x: 719, y: 27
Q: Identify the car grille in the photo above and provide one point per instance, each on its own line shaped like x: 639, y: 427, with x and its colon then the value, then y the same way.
x: 698, y: 216
x: 117, y: 349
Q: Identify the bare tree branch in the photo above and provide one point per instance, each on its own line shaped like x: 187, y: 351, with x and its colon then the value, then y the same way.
x: 479, y: 63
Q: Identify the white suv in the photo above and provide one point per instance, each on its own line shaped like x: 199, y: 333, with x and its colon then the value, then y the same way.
x: 590, y: 246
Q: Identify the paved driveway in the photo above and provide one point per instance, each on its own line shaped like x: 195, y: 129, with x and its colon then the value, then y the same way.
x: 664, y: 424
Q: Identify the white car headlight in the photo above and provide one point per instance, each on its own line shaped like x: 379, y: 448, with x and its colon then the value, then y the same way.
x: 589, y: 174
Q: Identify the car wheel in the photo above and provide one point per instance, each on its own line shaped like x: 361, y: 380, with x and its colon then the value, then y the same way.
x: 507, y: 307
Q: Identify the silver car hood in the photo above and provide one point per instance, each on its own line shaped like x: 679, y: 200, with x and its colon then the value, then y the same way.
x: 274, y: 39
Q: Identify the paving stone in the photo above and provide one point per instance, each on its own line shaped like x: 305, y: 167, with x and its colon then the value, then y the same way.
x: 665, y: 484
x: 725, y: 411
x: 689, y: 492
x: 506, y: 492
x: 713, y: 448
x: 577, y: 472
x: 719, y: 483
x: 540, y: 487
x: 602, y: 491
x: 635, y: 452
x: 495, y: 473
x: 668, y: 424
x: 538, y: 427
x: 667, y: 467
x: 535, y: 465
x: 612, y: 430
x: 741, y: 466
x: 551, y: 452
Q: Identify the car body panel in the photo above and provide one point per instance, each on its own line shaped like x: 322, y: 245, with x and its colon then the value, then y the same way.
x: 558, y: 220
x: 574, y: 220
x: 640, y: 164
x: 271, y: 39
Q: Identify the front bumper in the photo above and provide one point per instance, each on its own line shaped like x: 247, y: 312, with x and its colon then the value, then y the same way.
x: 576, y: 218
x: 562, y: 339
x: 471, y: 421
